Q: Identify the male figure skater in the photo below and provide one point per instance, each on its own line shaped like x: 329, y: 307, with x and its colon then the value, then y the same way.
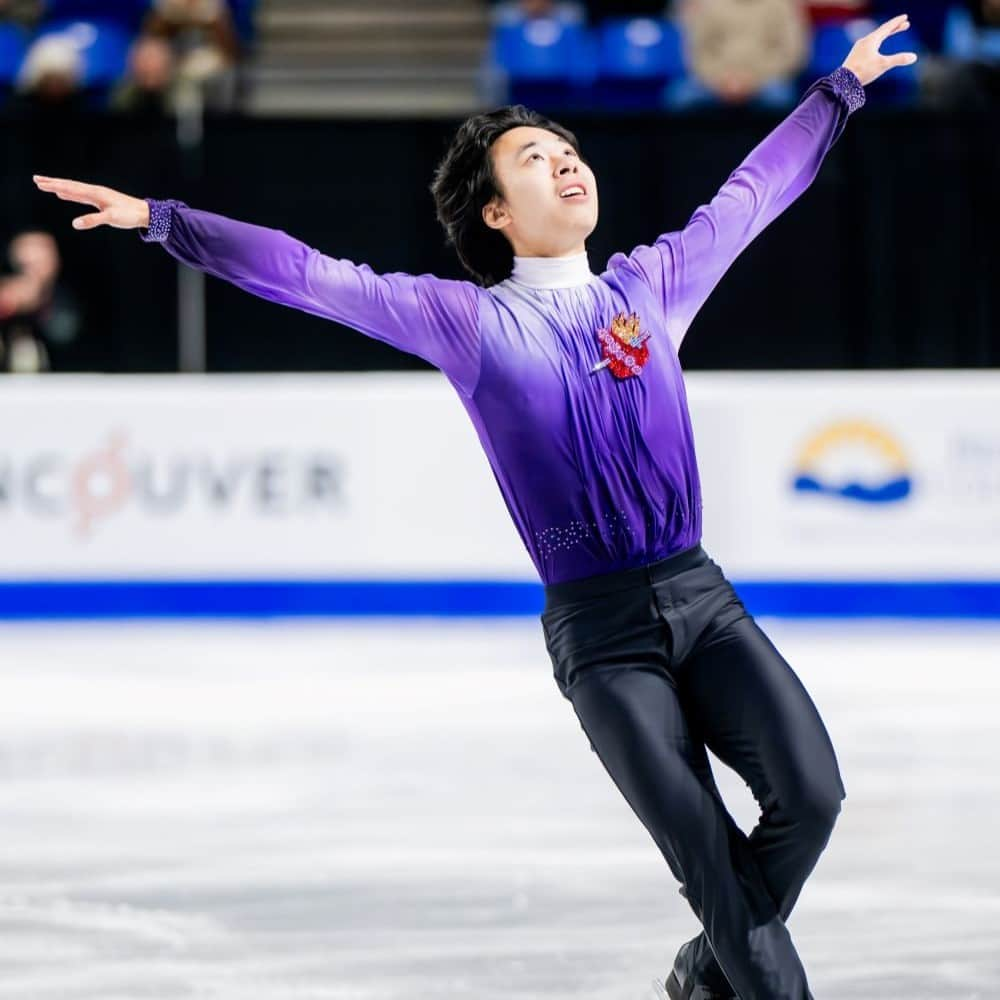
x: 573, y: 384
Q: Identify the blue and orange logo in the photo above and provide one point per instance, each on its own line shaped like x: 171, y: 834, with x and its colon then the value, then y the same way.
x: 856, y: 461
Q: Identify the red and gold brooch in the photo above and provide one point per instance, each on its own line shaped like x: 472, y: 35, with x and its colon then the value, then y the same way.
x: 623, y: 346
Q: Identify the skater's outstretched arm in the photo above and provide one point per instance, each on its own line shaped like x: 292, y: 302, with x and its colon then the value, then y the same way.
x: 435, y: 318
x: 683, y: 267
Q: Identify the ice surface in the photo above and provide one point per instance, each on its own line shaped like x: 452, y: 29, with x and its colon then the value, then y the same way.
x: 382, y: 809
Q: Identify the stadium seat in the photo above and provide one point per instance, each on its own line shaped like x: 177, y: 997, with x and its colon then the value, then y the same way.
x: 244, y: 12
x: 104, y: 46
x: 960, y: 41
x: 831, y: 43
x: 964, y: 39
x: 13, y: 45
x: 547, y: 61
x: 540, y: 49
x: 989, y: 45
x: 637, y: 57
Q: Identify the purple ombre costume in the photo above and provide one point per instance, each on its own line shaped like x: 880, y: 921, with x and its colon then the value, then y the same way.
x: 598, y: 472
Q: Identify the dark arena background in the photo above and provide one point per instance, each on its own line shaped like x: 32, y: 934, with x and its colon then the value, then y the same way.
x: 277, y: 717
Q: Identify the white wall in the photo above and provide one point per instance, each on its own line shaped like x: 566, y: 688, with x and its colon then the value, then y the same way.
x: 375, y: 475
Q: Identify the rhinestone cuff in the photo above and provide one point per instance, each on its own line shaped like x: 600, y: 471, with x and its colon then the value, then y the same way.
x: 161, y: 215
x: 848, y: 88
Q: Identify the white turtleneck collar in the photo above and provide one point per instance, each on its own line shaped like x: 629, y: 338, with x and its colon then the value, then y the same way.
x: 552, y: 272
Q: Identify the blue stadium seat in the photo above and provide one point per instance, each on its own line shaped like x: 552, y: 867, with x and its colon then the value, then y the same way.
x: 637, y: 57
x: 964, y: 39
x: 831, y: 43
x: 640, y: 48
x: 548, y: 62
x: 541, y: 49
x: 244, y: 13
x: 13, y: 45
x: 960, y: 39
x: 128, y: 13
x: 989, y: 44
x: 104, y: 46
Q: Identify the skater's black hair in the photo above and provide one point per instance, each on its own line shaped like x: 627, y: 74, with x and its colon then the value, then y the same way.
x: 464, y: 182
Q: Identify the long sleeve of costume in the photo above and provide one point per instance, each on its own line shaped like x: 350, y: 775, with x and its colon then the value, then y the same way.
x: 434, y: 318
x: 683, y: 267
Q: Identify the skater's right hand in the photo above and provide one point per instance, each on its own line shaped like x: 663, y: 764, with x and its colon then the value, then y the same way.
x: 867, y: 63
x: 116, y: 209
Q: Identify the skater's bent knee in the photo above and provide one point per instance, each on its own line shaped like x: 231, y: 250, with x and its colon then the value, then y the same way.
x: 816, y: 806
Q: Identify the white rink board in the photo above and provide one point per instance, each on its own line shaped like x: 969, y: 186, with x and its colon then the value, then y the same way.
x: 382, y: 476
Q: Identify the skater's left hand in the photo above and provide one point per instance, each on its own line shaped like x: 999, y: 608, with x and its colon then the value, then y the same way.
x: 867, y: 63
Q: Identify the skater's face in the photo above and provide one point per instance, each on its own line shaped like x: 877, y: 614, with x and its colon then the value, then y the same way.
x: 535, y: 170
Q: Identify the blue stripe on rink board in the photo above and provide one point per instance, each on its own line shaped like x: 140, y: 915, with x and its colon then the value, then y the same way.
x: 108, y: 599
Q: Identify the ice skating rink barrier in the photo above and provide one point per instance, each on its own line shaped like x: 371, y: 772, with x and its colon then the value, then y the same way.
x: 825, y: 493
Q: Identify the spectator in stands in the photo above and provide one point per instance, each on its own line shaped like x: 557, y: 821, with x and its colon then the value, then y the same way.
x: 23, y: 12
x: 35, y: 309
x: 205, y: 43
x: 537, y: 8
x: 986, y: 13
x: 50, y: 79
x: 738, y: 48
x: 149, y: 87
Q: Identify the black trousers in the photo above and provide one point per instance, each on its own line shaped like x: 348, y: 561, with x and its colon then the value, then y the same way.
x: 659, y: 662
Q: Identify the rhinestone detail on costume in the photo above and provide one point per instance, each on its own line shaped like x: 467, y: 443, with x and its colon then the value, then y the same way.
x: 848, y: 88
x: 160, y: 218
x: 557, y: 539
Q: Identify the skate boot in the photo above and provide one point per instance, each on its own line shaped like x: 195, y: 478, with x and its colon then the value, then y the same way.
x: 683, y: 982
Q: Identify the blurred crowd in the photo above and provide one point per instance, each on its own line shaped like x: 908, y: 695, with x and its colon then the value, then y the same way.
x: 676, y: 53
x: 131, y: 57
x: 159, y: 57
x: 128, y: 56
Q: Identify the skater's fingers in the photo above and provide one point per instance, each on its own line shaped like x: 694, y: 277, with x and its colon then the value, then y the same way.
x: 60, y: 182
x: 67, y: 190
x: 90, y: 221
x: 891, y: 26
x: 78, y: 199
x: 72, y: 191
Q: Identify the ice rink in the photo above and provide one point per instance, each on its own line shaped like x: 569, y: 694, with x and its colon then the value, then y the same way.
x: 408, y: 810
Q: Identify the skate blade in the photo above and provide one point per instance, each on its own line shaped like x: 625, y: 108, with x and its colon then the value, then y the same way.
x: 659, y: 991
x: 669, y: 991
